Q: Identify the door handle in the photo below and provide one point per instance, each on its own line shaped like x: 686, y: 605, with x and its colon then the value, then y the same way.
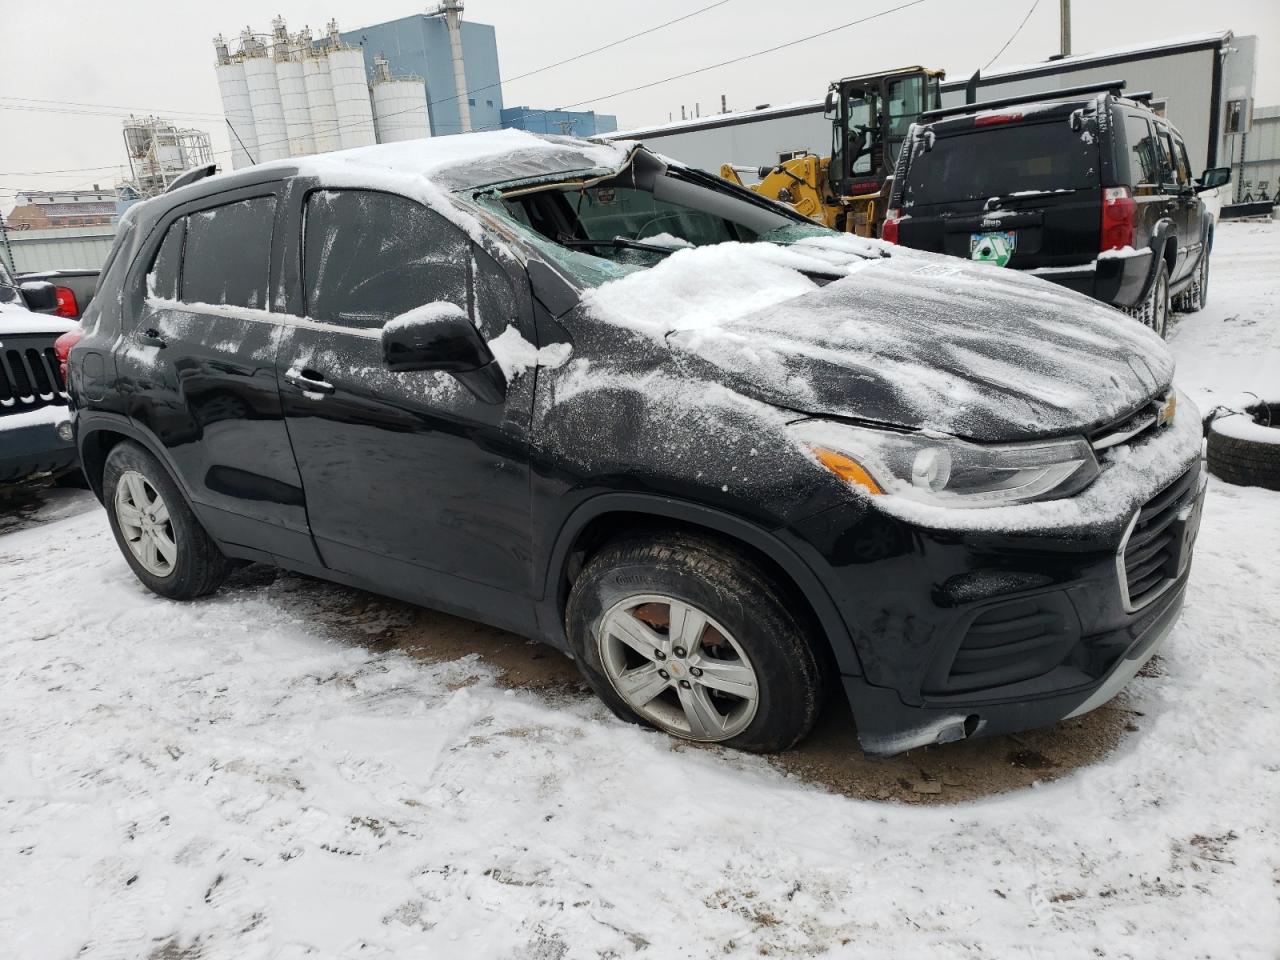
x: 308, y: 381
x: 151, y: 337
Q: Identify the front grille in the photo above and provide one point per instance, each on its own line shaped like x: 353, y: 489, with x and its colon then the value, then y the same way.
x: 1150, y: 553
x: 1010, y: 641
x: 1128, y: 428
x: 29, y: 375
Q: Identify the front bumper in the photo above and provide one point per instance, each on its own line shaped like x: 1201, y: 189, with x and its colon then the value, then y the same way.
x: 960, y: 635
x: 34, y: 443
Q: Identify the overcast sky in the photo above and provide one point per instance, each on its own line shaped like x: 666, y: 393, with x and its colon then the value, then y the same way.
x: 157, y: 57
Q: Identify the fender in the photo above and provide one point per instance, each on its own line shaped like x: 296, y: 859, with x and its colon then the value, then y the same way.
x: 550, y: 611
x: 88, y: 422
x: 1160, y: 236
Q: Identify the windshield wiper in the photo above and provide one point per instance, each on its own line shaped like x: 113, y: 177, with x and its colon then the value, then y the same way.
x: 618, y: 243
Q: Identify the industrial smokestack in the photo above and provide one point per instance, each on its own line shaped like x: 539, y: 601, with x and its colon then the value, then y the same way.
x: 452, y: 12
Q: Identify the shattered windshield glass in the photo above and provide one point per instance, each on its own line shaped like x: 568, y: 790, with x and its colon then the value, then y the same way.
x: 602, y: 229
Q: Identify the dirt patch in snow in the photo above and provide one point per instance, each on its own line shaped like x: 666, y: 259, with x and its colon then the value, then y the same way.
x: 830, y: 757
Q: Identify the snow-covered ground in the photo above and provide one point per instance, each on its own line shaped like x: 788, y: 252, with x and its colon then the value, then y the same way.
x: 256, y: 776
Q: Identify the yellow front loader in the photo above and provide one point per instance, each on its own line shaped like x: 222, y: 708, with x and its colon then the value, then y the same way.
x: 870, y: 116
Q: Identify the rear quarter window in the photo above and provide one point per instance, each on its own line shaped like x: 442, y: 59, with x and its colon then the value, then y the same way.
x: 1001, y: 160
x: 227, y: 257
x: 1144, y: 161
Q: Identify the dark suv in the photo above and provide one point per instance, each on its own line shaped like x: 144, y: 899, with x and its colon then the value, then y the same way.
x: 1084, y: 187
x: 719, y: 455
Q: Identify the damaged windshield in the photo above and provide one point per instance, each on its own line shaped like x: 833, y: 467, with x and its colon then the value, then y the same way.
x: 637, y: 217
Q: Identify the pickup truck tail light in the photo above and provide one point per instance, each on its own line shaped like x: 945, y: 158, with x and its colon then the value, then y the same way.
x: 1119, y: 217
x: 889, y: 231
x: 67, y: 305
x: 62, y: 350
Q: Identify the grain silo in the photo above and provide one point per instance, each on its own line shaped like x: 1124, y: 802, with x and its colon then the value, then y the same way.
x: 264, y: 95
x: 293, y: 90
x: 399, y: 105
x: 236, y: 106
x: 350, y: 93
x: 315, y: 77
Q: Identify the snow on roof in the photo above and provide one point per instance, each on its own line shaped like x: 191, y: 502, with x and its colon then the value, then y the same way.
x: 428, y: 170
x: 679, y: 126
x: 1149, y: 46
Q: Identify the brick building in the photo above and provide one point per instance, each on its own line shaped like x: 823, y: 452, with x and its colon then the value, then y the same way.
x: 43, y: 210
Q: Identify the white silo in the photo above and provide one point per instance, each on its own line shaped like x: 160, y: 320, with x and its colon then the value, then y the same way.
x: 351, y: 97
x: 324, y: 115
x: 236, y: 106
x: 399, y: 105
x: 293, y: 99
x: 264, y: 95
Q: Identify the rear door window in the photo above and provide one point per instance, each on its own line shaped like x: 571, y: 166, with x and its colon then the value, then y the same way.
x: 1143, y: 155
x: 1001, y: 160
x: 1168, y: 173
x: 370, y: 256
x: 227, y: 257
x: 163, y: 281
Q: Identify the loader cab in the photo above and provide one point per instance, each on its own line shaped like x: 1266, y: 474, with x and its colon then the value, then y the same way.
x: 870, y: 117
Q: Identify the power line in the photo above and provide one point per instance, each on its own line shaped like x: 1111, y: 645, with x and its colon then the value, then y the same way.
x: 1034, y: 4
x: 741, y: 59
x: 109, y: 106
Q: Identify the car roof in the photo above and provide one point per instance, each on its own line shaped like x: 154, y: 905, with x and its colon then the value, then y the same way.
x: 449, y: 164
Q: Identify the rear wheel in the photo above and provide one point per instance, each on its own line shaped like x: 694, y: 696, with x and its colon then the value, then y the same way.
x: 1153, y: 312
x: 686, y: 635
x: 161, y: 539
x: 1197, y: 294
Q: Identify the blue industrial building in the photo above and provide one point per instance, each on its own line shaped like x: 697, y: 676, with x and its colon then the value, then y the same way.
x: 419, y: 44
x: 584, y: 123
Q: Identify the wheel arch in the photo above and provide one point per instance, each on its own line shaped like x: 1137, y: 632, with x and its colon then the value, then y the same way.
x: 606, y: 517
x: 98, y: 434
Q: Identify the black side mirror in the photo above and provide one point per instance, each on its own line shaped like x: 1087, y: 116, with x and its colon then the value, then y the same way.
x: 440, y: 336
x: 39, y: 295
x: 1215, y: 177
x: 829, y: 106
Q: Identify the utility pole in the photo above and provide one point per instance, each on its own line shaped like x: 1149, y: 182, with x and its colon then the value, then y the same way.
x: 1066, y: 28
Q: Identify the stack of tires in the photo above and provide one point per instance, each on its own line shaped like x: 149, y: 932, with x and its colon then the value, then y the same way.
x: 1244, y: 447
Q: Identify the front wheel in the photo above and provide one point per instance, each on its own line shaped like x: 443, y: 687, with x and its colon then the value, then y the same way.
x: 686, y: 635
x: 161, y: 539
x: 1197, y: 294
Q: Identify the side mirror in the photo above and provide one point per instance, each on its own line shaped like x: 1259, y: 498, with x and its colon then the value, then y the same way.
x: 440, y: 336
x: 829, y: 107
x: 1215, y: 177
x: 39, y: 295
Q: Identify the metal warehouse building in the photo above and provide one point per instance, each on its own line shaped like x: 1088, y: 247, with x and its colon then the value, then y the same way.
x: 1200, y: 82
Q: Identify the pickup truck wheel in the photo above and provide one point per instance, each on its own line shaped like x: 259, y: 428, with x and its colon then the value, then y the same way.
x: 1153, y: 312
x: 159, y: 536
x: 686, y: 635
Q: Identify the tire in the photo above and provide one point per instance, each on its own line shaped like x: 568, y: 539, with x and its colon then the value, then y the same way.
x: 1246, y: 463
x: 1153, y: 312
x: 1195, y: 296
x: 749, y: 627
x: 196, y: 567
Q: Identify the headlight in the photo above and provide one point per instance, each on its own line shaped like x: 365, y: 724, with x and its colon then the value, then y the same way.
x: 947, y: 471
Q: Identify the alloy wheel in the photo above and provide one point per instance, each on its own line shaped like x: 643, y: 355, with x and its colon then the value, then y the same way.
x: 145, y: 523
x: 678, y: 668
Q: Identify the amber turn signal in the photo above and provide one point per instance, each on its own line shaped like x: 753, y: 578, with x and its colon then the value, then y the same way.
x: 847, y: 469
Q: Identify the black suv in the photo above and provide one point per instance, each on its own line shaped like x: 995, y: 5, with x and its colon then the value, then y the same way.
x: 719, y: 455
x: 1084, y: 187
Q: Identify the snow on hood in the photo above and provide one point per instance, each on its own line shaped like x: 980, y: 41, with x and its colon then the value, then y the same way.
x: 16, y: 319
x: 912, y: 339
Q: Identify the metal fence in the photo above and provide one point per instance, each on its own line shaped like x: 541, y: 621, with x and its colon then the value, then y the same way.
x: 64, y: 248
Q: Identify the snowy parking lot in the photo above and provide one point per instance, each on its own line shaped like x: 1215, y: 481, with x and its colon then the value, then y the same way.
x: 289, y: 769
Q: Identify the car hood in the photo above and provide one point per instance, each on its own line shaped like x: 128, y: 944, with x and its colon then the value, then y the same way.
x: 16, y: 320
x: 933, y: 343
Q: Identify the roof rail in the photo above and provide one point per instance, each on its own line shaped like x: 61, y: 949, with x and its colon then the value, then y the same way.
x: 1114, y: 86
x: 1141, y: 97
x: 192, y: 175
